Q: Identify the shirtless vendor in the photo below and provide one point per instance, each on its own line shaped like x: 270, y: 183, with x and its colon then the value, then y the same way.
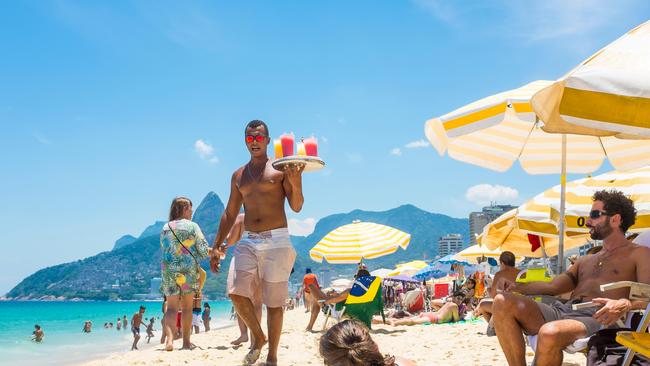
x: 264, y: 257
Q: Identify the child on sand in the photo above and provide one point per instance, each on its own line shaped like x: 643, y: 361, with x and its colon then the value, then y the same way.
x: 150, y: 329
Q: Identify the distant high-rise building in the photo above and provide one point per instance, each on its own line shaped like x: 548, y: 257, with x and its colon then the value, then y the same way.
x: 450, y: 243
x: 154, y: 286
x: 478, y: 220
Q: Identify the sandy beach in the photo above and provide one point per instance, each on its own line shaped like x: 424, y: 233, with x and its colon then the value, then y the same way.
x: 447, y: 344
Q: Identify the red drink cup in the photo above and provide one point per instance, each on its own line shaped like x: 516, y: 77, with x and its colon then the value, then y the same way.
x: 311, y: 146
x: 287, y: 141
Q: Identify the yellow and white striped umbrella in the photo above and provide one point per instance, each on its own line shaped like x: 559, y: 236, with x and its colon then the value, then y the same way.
x: 503, y: 234
x: 408, y: 268
x: 607, y: 94
x: 360, y: 240
x: 541, y: 215
x: 471, y: 254
x: 496, y: 131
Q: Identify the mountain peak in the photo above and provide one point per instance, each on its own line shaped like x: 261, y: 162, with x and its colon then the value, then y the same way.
x: 124, y: 241
x: 208, y: 213
x: 153, y: 229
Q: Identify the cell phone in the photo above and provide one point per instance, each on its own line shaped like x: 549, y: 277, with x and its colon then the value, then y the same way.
x: 583, y: 305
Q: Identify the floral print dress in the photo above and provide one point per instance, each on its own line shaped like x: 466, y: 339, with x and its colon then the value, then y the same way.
x: 178, y: 267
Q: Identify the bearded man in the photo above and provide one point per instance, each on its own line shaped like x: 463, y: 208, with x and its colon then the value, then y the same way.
x: 558, y: 325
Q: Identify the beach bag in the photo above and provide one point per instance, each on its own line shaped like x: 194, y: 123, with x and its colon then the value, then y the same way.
x: 603, y: 350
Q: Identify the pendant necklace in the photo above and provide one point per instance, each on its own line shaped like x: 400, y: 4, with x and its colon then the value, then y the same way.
x: 257, y: 176
x: 607, y: 254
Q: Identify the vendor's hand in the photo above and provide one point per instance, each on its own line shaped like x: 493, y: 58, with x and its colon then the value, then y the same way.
x: 612, y: 310
x: 293, y: 172
x: 215, y: 258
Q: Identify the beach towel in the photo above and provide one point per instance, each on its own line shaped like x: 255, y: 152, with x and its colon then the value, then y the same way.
x: 365, y: 300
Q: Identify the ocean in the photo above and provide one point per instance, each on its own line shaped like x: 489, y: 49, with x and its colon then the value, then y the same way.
x: 62, y: 322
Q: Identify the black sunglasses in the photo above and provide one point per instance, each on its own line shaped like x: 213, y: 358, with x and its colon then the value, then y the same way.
x: 594, y: 214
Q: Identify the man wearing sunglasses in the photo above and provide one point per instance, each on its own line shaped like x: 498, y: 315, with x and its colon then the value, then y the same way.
x: 557, y: 325
x: 263, y: 258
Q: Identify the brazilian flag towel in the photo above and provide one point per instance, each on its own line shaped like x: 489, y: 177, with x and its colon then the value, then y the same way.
x: 365, y: 299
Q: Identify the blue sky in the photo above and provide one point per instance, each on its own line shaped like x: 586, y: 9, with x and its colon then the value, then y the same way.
x: 102, y: 104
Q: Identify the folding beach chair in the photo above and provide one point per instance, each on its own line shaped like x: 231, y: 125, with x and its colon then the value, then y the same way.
x: 363, y: 301
x: 636, y: 342
x: 335, y: 311
x: 638, y: 291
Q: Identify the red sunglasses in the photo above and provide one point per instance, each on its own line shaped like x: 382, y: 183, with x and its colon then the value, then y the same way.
x: 258, y: 138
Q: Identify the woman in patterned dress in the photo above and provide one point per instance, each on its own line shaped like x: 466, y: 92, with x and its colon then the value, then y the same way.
x: 183, y: 246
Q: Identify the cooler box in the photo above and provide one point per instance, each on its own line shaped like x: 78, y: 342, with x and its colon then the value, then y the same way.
x: 440, y: 290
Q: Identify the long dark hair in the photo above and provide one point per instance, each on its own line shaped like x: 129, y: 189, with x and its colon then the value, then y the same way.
x: 179, y: 204
x: 348, y: 343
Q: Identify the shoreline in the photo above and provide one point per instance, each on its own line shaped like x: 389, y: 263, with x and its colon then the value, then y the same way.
x: 450, y: 344
x: 142, y: 347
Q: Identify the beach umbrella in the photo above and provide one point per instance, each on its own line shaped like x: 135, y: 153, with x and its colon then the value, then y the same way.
x: 404, y: 270
x: 381, y: 272
x: 541, y: 215
x: 341, y: 284
x: 408, y: 268
x: 496, y: 131
x: 471, y: 254
x: 402, y: 278
x: 607, y: 94
x: 503, y: 234
x: 451, y: 259
x: 357, y: 241
x: 436, y: 270
x: 419, y: 264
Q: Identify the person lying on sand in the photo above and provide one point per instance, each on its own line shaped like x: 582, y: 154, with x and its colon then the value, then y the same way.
x: 450, y: 312
x: 349, y: 343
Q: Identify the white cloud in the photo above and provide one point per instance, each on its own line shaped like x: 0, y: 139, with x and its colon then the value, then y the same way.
x: 484, y: 194
x: 417, y: 144
x: 302, y: 227
x: 205, y: 151
x: 324, y: 139
x: 571, y: 24
x: 396, y: 151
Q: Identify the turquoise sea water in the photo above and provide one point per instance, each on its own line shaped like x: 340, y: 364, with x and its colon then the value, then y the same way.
x: 64, y: 342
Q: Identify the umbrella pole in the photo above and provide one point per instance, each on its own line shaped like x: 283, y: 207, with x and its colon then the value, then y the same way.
x: 560, y: 249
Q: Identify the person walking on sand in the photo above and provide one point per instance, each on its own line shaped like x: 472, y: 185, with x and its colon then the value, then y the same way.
x: 150, y: 329
x: 183, y: 246
x: 135, y: 326
x: 206, y: 316
x: 264, y: 257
